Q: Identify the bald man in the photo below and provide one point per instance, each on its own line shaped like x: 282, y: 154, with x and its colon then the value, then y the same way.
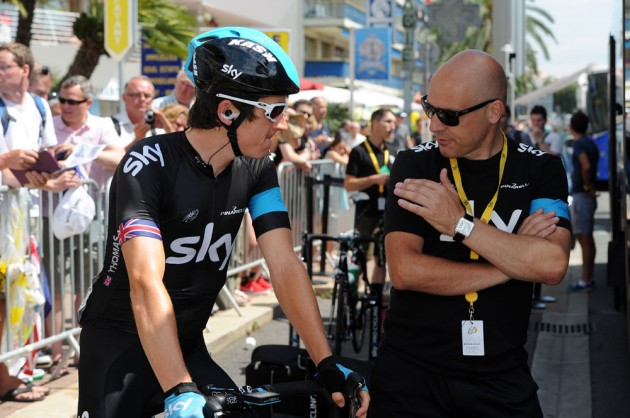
x: 472, y: 221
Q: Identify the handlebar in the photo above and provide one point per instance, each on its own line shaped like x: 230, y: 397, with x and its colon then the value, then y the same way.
x: 222, y: 402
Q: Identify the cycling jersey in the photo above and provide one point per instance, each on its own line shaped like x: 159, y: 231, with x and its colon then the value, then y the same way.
x: 425, y: 329
x: 163, y: 189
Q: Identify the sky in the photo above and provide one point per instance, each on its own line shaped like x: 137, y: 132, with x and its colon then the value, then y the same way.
x: 581, y: 28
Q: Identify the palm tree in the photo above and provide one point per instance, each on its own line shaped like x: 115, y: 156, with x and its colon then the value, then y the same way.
x: 26, y: 9
x: 536, y: 21
x: 166, y: 27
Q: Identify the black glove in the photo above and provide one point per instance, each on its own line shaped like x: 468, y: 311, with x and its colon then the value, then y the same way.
x: 337, y: 378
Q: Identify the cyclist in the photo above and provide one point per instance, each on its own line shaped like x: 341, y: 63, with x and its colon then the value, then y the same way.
x: 176, y: 204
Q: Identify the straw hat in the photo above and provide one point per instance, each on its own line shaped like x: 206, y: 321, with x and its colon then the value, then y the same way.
x: 296, y: 124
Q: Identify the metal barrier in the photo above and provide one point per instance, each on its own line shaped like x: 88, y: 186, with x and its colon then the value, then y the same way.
x: 68, y: 265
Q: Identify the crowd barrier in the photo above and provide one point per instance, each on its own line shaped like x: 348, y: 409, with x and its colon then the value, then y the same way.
x: 41, y: 275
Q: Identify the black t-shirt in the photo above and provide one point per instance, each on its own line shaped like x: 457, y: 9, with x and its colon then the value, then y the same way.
x: 360, y: 164
x: 163, y: 189
x: 425, y: 329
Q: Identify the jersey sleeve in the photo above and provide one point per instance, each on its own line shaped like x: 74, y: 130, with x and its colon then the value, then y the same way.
x: 266, y: 206
x: 142, y: 184
x: 551, y: 190
x: 354, y: 161
x: 396, y: 218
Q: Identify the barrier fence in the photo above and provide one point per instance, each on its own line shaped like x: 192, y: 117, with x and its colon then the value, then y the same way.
x: 42, y: 278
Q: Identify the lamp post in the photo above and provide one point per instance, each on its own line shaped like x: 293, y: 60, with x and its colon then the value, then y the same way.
x: 410, y: 22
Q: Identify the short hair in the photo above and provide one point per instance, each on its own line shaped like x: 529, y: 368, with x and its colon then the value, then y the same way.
x: 579, y: 122
x: 380, y: 113
x: 301, y: 102
x: 138, y: 77
x: 39, y: 71
x: 507, y: 110
x: 81, y: 81
x: 22, y: 55
x: 173, y: 110
x: 539, y: 110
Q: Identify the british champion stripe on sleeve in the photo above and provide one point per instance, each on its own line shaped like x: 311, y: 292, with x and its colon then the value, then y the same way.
x: 135, y: 227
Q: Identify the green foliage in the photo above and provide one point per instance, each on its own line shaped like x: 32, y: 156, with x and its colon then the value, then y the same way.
x: 90, y: 26
x: 336, y: 114
x: 167, y: 27
x: 536, y: 28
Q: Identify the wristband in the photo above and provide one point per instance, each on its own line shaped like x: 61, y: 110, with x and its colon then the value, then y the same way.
x: 180, y: 388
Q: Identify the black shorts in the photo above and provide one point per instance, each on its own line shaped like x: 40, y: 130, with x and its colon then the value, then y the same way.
x: 116, y: 379
x: 404, y: 391
x: 367, y: 227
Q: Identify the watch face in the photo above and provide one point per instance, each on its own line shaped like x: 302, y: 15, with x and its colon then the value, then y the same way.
x: 464, y: 227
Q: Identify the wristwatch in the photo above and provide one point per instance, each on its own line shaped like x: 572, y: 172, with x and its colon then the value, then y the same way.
x: 463, y: 227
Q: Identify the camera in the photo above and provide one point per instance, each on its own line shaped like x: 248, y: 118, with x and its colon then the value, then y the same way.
x: 149, y: 117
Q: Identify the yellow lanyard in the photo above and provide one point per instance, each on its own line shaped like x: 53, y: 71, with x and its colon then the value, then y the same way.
x: 381, y: 187
x: 485, y: 217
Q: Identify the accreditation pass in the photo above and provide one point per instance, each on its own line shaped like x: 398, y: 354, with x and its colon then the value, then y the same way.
x: 472, y: 338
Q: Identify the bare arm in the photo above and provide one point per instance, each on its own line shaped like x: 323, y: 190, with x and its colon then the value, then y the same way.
x: 355, y: 184
x: 295, y: 294
x: 586, y: 172
x: 153, y: 310
x: 110, y: 157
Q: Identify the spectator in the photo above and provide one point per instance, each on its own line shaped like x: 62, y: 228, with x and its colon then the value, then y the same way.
x: 77, y: 126
x: 53, y: 102
x: 355, y: 136
x: 543, y: 139
x: 338, y: 151
x: 183, y: 93
x: 321, y: 133
x: 368, y: 170
x: 583, y: 178
x: 511, y: 131
x: 41, y: 81
x: 402, y: 135
x: 26, y: 133
x: 177, y: 116
x: 131, y: 124
x: 462, y: 257
x: 294, y: 145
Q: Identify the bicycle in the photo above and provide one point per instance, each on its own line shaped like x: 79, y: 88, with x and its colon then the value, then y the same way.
x: 349, y: 309
x: 221, y: 402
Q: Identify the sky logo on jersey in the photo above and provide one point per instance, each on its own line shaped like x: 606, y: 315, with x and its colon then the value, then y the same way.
x: 528, y: 148
x: 134, y: 227
x: 231, y: 71
x: 425, y: 147
x: 137, y: 161
x: 254, y: 47
x: 186, y: 248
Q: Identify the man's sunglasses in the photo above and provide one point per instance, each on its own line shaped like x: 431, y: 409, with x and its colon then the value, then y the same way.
x: 71, y: 102
x: 449, y: 117
x: 273, y: 111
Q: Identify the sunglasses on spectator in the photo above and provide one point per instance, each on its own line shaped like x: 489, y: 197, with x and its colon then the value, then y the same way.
x: 308, y: 115
x: 273, y: 111
x: 71, y: 102
x: 143, y: 95
x: 449, y: 117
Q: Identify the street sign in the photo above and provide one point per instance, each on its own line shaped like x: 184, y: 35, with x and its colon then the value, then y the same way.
x: 118, y: 28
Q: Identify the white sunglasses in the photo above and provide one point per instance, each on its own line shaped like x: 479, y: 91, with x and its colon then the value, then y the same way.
x: 273, y: 111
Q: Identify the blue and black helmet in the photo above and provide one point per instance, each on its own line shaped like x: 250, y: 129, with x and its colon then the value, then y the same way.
x: 241, y: 58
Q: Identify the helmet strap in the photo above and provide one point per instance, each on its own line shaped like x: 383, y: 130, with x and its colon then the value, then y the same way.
x: 231, y: 133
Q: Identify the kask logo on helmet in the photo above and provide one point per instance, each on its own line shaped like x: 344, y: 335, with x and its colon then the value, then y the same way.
x: 254, y: 47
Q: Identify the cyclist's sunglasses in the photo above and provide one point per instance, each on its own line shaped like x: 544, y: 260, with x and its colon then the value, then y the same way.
x: 273, y: 111
x: 449, y: 117
x: 71, y: 102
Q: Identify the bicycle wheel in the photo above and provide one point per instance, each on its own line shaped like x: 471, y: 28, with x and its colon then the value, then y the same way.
x: 359, y: 327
